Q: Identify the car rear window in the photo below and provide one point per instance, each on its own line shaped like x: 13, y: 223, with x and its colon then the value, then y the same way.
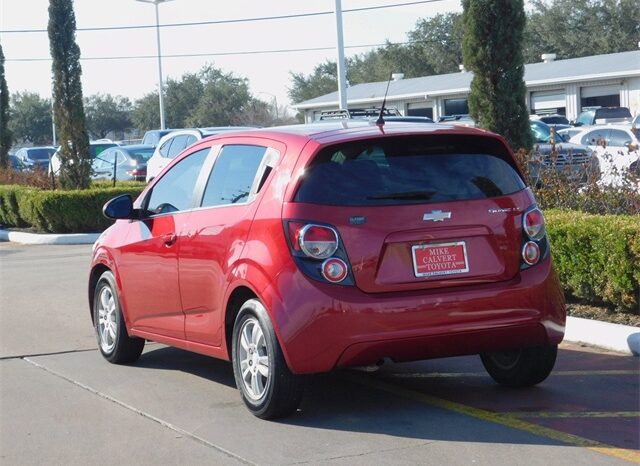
x: 612, y: 112
x: 40, y: 154
x: 408, y: 170
x: 97, y: 149
x: 141, y: 155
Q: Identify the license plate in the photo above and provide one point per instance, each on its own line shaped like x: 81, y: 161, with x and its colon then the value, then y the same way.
x: 430, y: 260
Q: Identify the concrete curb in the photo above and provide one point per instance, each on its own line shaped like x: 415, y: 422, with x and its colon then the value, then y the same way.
x: 48, y: 238
x: 615, y: 337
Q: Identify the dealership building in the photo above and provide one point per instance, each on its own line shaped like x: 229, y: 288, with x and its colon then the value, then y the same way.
x: 553, y: 86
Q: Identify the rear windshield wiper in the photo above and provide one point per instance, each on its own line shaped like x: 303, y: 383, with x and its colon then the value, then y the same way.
x: 417, y: 195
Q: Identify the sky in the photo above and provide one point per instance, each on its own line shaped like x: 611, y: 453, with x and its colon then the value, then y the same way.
x: 268, y: 73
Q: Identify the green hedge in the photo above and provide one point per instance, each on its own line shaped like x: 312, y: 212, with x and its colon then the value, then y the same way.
x: 59, y: 211
x: 597, y: 256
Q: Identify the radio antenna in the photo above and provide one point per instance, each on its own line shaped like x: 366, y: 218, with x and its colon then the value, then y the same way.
x: 380, y: 120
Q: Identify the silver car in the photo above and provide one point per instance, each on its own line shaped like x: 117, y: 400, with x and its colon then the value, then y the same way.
x: 130, y: 163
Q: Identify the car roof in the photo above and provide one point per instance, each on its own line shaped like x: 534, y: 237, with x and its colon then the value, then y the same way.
x: 344, y: 130
x: 602, y: 127
x: 137, y: 147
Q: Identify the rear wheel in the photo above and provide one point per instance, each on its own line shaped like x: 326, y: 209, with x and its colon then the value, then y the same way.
x: 522, y: 367
x: 113, y: 340
x: 267, y: 386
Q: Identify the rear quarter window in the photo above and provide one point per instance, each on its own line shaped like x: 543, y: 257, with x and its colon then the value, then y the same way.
x: 406, y: 170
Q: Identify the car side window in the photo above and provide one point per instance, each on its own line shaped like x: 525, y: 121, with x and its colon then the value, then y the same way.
x: 190, y: 140
x: 104, y: 161
x: 178, y: 145
x: 593, y: 137
x: 174, y: 191
x: 233, y: 175
x: 121, y: 157
x: 164, y: 148
x: 586, y: 118
x: 618, y: 138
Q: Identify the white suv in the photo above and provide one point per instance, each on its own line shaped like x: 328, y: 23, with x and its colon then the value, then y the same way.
x: 170, y: 145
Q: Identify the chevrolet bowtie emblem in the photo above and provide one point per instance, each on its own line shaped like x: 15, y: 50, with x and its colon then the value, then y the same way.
x: 437, y: 216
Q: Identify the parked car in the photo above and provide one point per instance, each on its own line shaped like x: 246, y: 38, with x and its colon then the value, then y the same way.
x: 616, y: 147
x: 36, y: 158
x: 603, y: 115
x: 16, y: 164
x: 553, y: 120
x: 297, y: 250
x: 463, y: 119
x: 635, y: 125
x: 371, y: 114
x: 95, y: 149
x: 576, y: 161
x: 172, y: 144
x: 152, y: 137
x: 130, y: 161
x: 568, y: 133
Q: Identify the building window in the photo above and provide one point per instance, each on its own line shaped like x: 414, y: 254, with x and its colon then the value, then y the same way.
x: 422, y: 109
x: 601, y: 101
x: 456, y: 107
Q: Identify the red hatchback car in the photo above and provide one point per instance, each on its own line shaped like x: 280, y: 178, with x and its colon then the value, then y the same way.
x: 302, y: 249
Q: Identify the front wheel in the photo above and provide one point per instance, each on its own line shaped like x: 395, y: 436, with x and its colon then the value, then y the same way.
x: 267, y: 386
x: 523, y: 367
x: 113, y: 340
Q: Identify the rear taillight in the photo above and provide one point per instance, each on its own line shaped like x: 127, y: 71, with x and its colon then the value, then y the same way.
x: 533, y: 224
x: 315, y: 241
x: 318, y: 252
x: 531, y: 253
x: 334, y: 270
x: 535, y: 244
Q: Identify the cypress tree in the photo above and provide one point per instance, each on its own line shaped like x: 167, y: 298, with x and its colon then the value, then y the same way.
x: 492, y: 50
x: 75, y: 169
x: 5, y: 134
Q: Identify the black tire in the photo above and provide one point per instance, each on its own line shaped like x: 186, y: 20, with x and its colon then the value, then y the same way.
x: 118, y: 347
x: 277, y: 394
x: 523, y: 367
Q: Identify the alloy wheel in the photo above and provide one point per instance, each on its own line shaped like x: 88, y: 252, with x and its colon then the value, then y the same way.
x: 254, y: 359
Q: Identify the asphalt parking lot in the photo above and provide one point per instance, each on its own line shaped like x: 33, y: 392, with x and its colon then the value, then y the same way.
x: 61, y: 403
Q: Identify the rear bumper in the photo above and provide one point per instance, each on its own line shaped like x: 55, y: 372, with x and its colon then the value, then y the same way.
x: 321, y: 327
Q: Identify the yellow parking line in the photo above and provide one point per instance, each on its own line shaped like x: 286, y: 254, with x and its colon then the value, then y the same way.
x: 500, y: 418
x: 570, y: 414
x: 444, y: 375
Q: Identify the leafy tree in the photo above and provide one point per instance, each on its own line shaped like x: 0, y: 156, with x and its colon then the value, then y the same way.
x: 492, y: 49
x: 224, y: 97
x: 75, y: 160
x: 146, y: 113
x: 31, y: 118
x: 182, y: 97
x: 578, y: 28
x: 106, y: 113
x: 322, y: 81
x: 209, y: 97
x: 5, y: 134
x: 438, y: 44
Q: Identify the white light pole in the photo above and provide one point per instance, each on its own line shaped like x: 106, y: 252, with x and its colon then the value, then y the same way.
x: 160, y: 87
x: 275, y: 102
x: 342, y: 79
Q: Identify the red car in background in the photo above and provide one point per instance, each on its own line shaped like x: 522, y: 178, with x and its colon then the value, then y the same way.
x: 302, y: 249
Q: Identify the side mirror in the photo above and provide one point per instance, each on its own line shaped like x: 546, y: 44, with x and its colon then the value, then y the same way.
x: 119, y: 207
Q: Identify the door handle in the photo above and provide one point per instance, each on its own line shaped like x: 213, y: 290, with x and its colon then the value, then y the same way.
x: 169, y: 238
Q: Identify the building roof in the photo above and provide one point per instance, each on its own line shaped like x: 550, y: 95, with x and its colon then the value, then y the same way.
x: 613, y: 65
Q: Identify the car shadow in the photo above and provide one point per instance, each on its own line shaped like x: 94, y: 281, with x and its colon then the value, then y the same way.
x: 426, y: 400
x: 163, y: 357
